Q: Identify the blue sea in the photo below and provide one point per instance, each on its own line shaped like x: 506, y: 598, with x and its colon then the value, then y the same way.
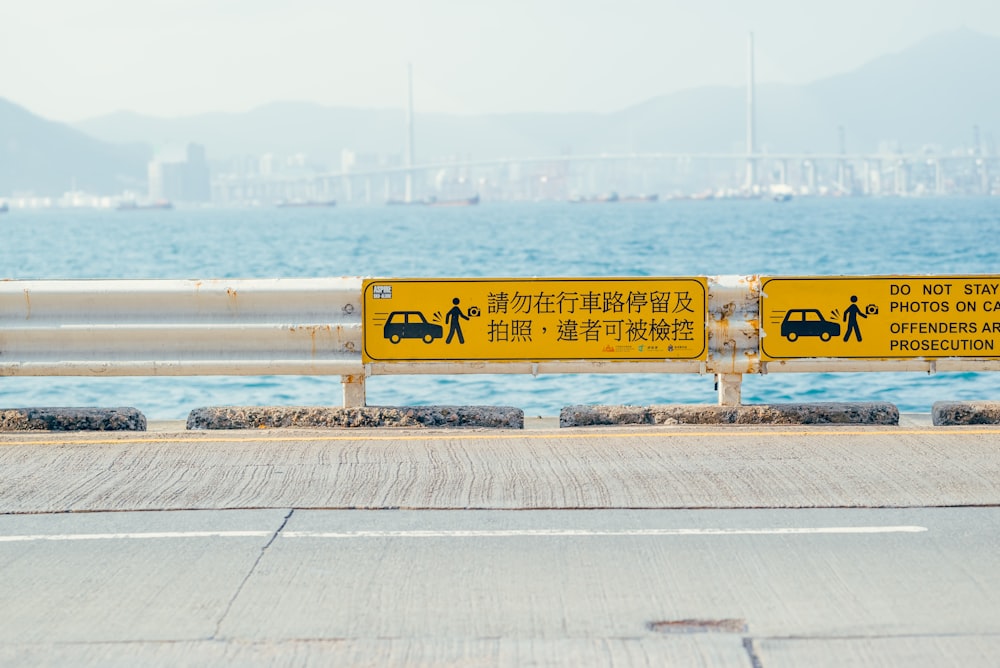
x: 670, y: 238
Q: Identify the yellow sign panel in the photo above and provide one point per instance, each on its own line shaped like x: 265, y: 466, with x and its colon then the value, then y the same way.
x: 882, y: 317
x: 522, y: 319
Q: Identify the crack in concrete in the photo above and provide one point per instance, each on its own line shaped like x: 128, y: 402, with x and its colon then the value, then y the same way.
x: 751, y: 650
x: 246, y: 578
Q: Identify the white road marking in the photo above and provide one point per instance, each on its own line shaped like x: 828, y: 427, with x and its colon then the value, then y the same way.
x: 556, y: 533
x: 467, y: 533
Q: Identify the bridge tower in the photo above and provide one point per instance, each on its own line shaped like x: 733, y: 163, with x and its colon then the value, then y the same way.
x: 408, y: 197
x: 751, y: 181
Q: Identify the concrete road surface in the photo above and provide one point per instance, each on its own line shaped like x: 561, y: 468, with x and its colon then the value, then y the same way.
x: 729, y: 546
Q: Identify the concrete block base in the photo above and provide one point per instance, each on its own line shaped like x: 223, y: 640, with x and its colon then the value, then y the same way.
x: 72, y: 419
x: 816, y: 413
x: 257, y: 417
x: 951, y: 413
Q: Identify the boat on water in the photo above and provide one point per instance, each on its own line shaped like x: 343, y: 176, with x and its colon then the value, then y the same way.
x: 640, y: 198
x: 607, y: 198
x: 781, y: 193
x: 467, y: 201
x: 613, y: 197
x: 295, y: 203
x: 434, y: 201
x: 132, y: 205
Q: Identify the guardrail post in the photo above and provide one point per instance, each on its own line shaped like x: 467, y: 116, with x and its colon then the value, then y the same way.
x: 729, y: 388
x: 354, y: 390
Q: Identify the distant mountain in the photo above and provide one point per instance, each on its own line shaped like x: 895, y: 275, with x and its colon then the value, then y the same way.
x: 48, y: 158
x: 304, y: 127
x: 281, y: 127
x: 932, y: 93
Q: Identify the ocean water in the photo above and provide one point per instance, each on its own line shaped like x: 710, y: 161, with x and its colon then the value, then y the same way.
x: 672, y: 238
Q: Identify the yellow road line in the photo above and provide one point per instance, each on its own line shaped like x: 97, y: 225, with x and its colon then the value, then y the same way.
x: 517, y: 435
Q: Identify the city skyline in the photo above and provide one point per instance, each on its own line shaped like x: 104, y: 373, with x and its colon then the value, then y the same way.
x: 75, y: 62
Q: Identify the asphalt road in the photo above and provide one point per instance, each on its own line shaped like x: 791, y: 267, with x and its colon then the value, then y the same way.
x: 646, y: 546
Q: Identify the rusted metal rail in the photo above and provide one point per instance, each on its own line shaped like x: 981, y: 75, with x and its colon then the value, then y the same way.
x: 315, y: 327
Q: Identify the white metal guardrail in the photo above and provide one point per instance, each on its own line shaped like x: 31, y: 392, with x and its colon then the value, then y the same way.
x: 751, y: 324
x: 183, y: 328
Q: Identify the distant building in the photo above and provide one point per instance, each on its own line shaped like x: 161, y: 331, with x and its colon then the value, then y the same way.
x: 267, y: 165
x: 180, y: 177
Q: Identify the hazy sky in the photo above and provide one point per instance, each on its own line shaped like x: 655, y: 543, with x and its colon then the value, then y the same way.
x: 73, y: 59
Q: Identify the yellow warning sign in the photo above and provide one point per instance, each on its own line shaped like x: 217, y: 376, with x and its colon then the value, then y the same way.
x: 522, y: 319
x: 882, y: 317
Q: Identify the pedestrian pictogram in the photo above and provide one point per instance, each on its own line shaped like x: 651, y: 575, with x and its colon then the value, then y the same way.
x: 851, y: 315
x: 454, y: 318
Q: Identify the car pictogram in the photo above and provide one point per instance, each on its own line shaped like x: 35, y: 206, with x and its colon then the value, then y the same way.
x: 410, y: 325
x: 808, y: 322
